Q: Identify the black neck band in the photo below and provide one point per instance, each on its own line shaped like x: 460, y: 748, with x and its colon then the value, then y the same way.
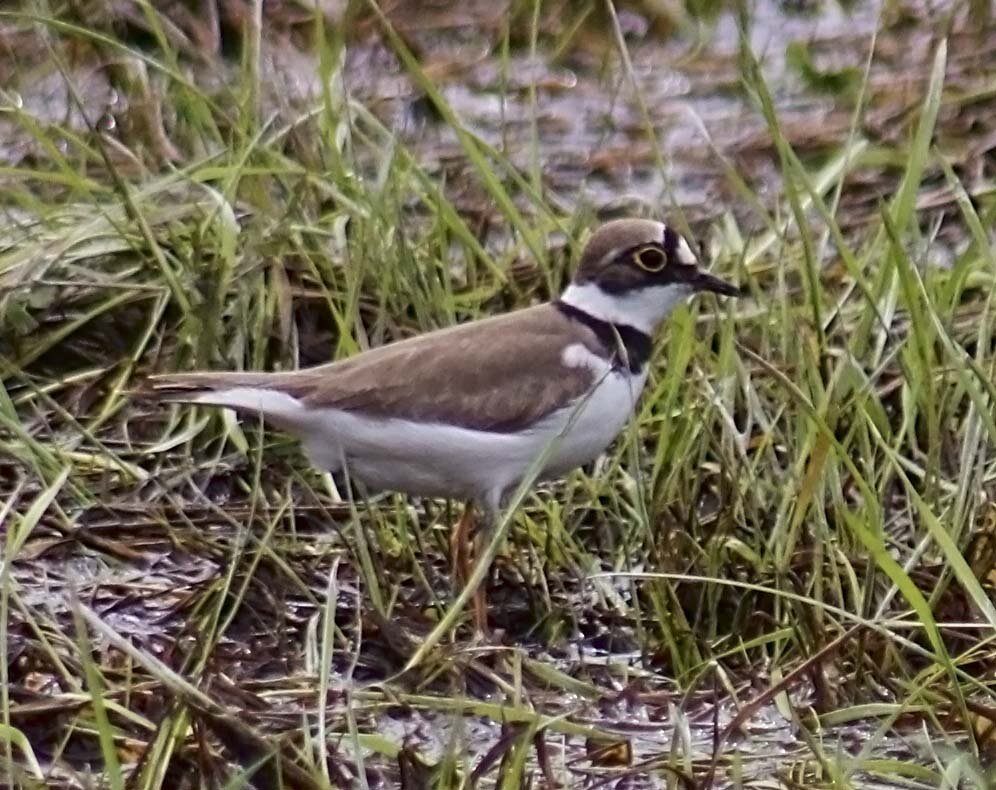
x: 636, y: 344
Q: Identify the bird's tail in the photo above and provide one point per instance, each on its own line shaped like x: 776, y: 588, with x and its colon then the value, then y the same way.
x: 261, y: 393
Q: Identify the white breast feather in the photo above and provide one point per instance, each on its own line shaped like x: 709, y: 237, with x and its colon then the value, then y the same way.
x: 593, y: 422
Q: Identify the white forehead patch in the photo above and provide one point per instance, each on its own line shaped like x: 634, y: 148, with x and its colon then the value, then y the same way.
x: 685, y: 254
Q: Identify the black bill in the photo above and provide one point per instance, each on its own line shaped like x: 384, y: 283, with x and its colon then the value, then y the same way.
x: 703, y: 281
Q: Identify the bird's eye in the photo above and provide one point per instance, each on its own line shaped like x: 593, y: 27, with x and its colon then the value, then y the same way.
x: 651, y: 259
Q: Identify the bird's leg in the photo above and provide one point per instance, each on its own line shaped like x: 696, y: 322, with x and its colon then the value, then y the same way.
x: 460, y: 545
x: 463, y: 561
x: 484, y: 535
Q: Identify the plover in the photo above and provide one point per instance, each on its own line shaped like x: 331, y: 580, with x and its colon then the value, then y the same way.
x: 463, y: 412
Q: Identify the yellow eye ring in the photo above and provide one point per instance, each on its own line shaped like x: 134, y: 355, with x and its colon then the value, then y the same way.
x: 650, y: 259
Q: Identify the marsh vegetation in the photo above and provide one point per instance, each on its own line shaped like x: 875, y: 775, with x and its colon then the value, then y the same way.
x: 782, y: 576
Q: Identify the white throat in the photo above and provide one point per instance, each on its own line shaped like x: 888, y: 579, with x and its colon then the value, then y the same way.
x: 641, y: 308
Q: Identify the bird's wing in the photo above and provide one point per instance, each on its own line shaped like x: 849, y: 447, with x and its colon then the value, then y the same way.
x: 500, y: 374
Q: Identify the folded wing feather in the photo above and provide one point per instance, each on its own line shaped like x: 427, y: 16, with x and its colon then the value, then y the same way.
x: 500, y: 374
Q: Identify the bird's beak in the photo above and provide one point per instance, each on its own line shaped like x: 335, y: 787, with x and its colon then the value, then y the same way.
x: 704, y: 281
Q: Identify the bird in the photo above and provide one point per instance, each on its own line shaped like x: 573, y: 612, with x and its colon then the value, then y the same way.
x: 463, y: 412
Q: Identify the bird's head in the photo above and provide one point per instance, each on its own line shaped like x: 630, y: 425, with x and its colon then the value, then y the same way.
x: 636, y: 271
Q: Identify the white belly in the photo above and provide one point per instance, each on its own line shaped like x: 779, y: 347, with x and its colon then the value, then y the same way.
x: 589, y: 427
x: 446, y: 461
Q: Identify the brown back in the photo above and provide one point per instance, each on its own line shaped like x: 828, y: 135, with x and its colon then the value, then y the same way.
x: 499, y: 374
